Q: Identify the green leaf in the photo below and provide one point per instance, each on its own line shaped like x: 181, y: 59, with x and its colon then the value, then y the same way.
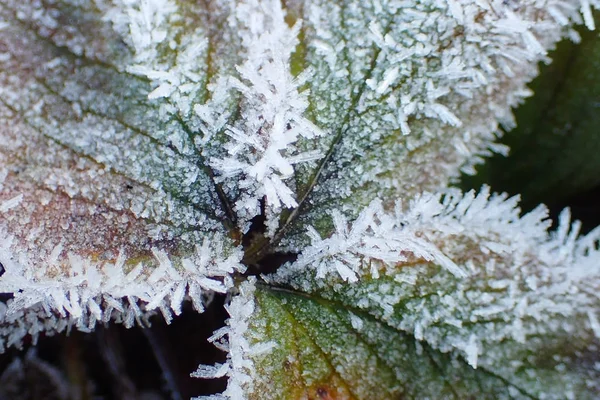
x: 511, y: 328
x: 329, y: 350
x: 333, y: 349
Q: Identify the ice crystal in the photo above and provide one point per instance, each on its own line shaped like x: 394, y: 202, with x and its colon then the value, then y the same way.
x: 151, y: 150
x: 261, y: 149
x: 239, y: 366
x: 85, y: 292
x: 374, y: 235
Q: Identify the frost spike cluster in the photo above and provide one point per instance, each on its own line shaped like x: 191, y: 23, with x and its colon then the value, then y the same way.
x: 374, y: 240
x: 88, y: 292
x: 261, y: 148
x: 233, y: 338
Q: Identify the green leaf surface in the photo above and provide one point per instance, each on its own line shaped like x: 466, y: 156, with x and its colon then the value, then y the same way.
x: 328, y: 350
x: 333, y: 349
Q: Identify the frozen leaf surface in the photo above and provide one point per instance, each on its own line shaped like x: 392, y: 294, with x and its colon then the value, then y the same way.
x: 152, y: 151
x: 103, y: 188
x: 461, y: 284
x: 327, y: 349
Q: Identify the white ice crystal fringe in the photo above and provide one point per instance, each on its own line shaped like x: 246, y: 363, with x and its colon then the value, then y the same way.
x: 239, y: 366
x: 514, y: 36
x: 375, y: 239
x: 71, y: 291
x: 261, y: 151
x: 535, y: 281
x: 544, y: 282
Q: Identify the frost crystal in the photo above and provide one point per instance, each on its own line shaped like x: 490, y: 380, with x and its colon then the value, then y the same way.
x: 145, y: 24
x: 261, y: 149
x: 152, y: 28
x: 74, y: 291
x: 374, y: 240
x: 239, y: 366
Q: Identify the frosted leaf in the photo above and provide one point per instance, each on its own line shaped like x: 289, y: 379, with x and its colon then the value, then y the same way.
x: 151, y: 151
x: 97, y: 170
x: 320, y: 353
x: 526, y: 291
x: 170, y: 42
x: 66, y: 289
x: 422, y: 85
x: 99, y: 138
x: 95, y: 173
